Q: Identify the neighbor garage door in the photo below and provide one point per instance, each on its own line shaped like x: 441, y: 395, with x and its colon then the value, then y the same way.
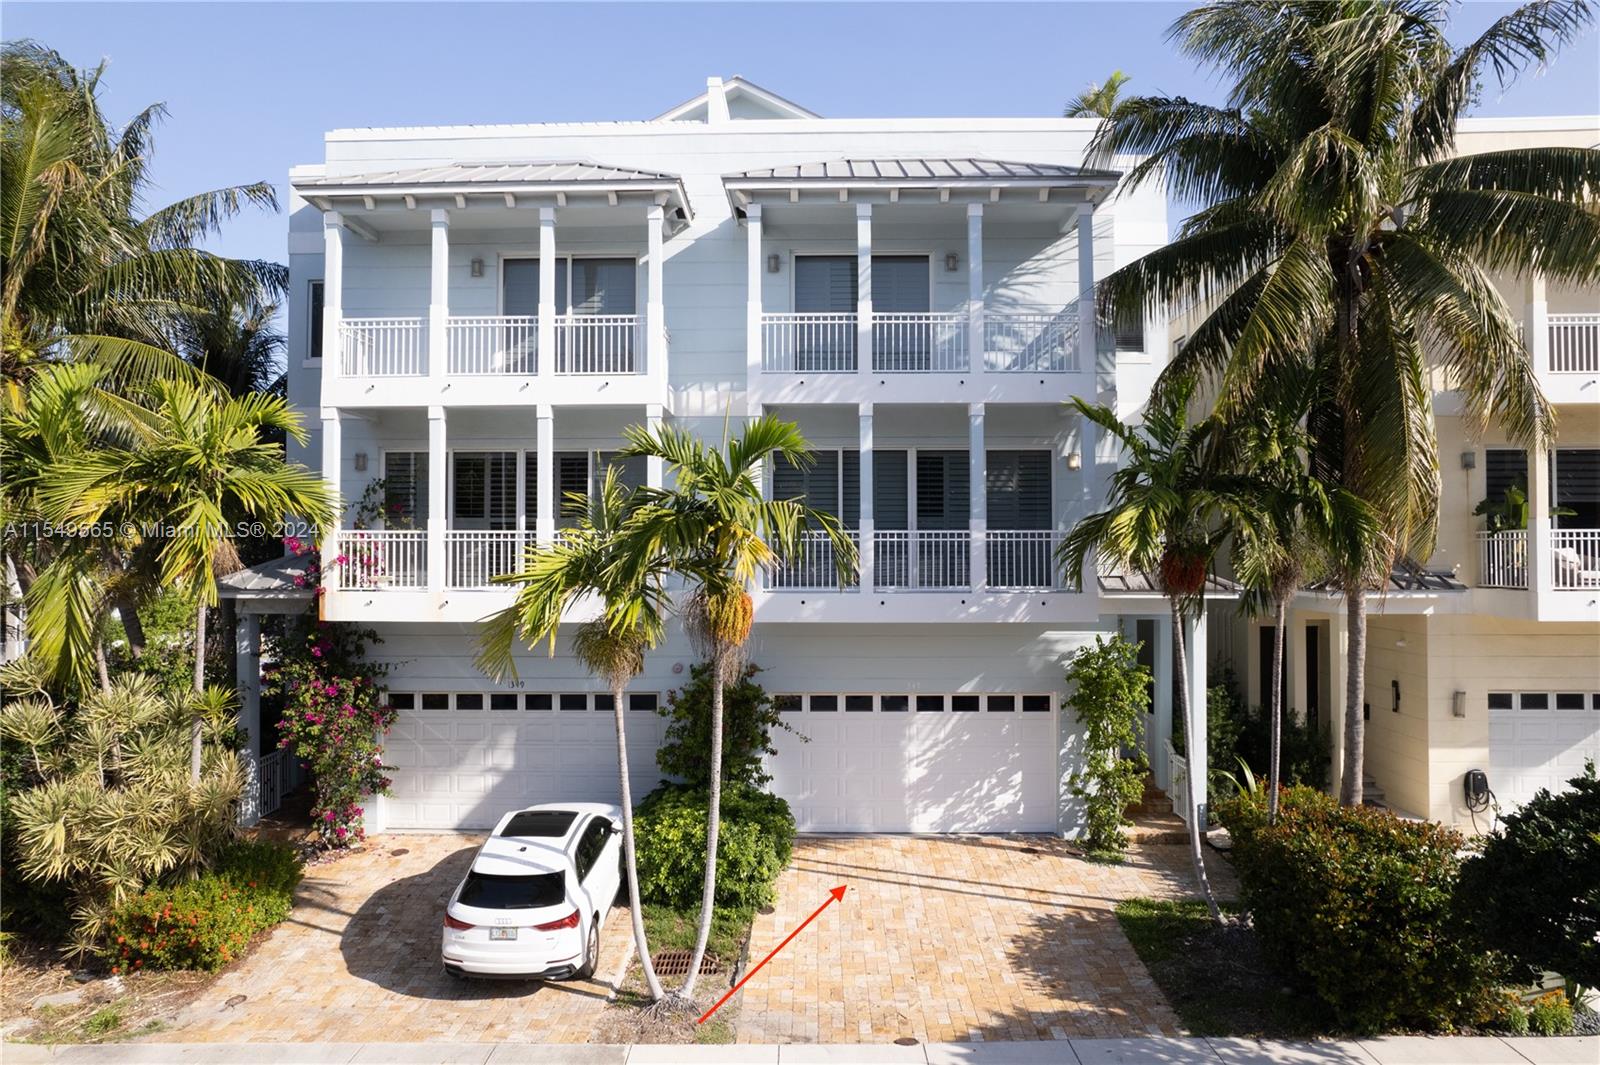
x: 918, y: 763
x: 458, y: 764
x: 1539, y: 740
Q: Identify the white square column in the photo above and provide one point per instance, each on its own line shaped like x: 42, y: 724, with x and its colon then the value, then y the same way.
x: 864, y: 288
x: 866, y: 523
x: 332, y: 296
x: 1086, y: 317
x: 247, y: 647
x: 439, y: 300
x: 548, y: 265
x: 1537, y: 317
x: 1541, y: 572
x: 1162, y: 703
x: 332, y: 453
x: 544, y: 523
x: 1194, y: 627
x: 978, y: 493
x: 654, y: 465
x: 753, y: 344
x: 438, y: 459
x: 975, y: 313
x: 655, y: 309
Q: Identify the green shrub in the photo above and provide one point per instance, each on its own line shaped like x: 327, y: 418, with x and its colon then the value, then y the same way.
x: 1533, y: 893
x: 1304, y: 749
x: 1356, y: 906
x: 754, y: 845
x: 207, y: 922
x: 1508, y: 1014
x: 748, y: 718
x: 1109, y: 696
x: 1551, y: 1014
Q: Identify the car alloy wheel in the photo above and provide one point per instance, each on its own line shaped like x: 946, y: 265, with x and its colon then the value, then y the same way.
x: 591, y: 952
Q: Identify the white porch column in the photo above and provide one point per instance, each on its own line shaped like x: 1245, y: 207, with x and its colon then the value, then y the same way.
x: 753, y: 354
x: 1338, y: 677
x: 1086, y: 324
x: 654, y: 467
x: 1194, y: 631
x: 975, y: 327
x: 332, y: 454
x: 439, y: 300
x: 1162, y: 703
x: 864, y: 288
x: 1297, y: 693
x: 978, y: 493
x: 1541, y: 571
x: 332, y: 295
x: 247, y: 644
x: 438, y: 460
x: 547, y: 294
x: 545, y: 440
x: 1087, y: 445
x: 655, y: 308
x: 866, y: 524
x: 1537, y: 324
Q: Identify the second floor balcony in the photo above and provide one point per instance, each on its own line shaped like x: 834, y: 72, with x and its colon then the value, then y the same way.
x: 494, y: 346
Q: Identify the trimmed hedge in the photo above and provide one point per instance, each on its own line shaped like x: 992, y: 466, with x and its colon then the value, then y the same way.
x: 207, y: 922
x: 1356, y: 906
x: 753, y: 846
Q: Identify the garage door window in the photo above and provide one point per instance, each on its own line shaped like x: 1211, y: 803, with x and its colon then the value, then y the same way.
x: 540, y: 701
x: 1544, y: 700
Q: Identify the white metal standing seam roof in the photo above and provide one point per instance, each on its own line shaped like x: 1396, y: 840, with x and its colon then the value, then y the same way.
x: 901, y: 170
x: 489, y: 173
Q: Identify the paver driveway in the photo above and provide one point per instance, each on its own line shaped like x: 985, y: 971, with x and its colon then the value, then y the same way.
x: 358, y: 961
x: 958, y: 938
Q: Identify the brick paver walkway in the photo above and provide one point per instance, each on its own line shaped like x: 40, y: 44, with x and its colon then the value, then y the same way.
x: 957, y: 939
x: 358, y: 961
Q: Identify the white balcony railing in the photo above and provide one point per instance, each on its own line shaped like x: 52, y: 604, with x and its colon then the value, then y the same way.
x: 383, y: 347
x: 472, y: 559
x: 599, y: 344
x: 496, y: 344
x: 1574, y: 343
x: 815, y: 566
x: 1503, y: 559
x: 919, y: 343
x: 1031, y: 341
x: 383, y: 558
x: 272, y: 781
x: 808, y: 343
x: 1021, y: 559
x: 1575, y: 558
x: 926, y: 560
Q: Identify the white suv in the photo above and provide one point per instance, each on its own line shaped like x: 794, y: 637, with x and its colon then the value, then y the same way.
x: 537, y: 894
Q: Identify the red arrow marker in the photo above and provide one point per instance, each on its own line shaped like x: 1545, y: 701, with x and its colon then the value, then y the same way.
x: 834, y: 895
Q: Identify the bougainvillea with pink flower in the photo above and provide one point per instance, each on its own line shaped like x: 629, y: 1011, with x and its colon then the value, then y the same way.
x: 335, y: 714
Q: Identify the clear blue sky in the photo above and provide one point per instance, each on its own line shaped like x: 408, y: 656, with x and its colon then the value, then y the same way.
x: 252, y: 87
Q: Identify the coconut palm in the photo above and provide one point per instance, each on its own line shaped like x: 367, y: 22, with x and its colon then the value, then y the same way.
x: 1168, y: 509
x: 201, y: 468
x: 1338, y: 233
x: 719, y: 532
x: 1097, y: 101
x: 584, y: 562
x: 238, y: 343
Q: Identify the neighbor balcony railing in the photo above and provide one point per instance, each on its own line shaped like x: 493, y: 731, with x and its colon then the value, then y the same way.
x: 919, y: 343
x: 808, y: 343
x: 1021, y: 559
x: 473, y: 558
x: 1575, y: 558
x: 1031, y: 341
x: 383, y: 347
x: 925, y: 560
x: 599, y: 343
x: 493, y: 344
x: 814, y: 566
x: 383, y: 558
x: 1503, y: 559
x: 1574, y: 343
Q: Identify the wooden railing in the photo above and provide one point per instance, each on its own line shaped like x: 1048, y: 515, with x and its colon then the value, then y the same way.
x: 383, y: 347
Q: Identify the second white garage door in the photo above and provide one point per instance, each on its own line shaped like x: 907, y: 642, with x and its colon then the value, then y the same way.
x: 1539, y: 740
x: 918, y: 763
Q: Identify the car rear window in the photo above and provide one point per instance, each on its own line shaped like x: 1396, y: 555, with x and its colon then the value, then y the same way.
x: 489, y: 892
x: 540, y: 824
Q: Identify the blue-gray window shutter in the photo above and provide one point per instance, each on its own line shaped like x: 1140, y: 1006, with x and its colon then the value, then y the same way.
x: 1018, y: 489
x: 889, y: 506
x: 900, y: 284
x: 825, y: 284
x: 942, y: 487
x: 604, y: 286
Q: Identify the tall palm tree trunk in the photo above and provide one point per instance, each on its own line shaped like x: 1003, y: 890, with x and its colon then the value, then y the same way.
x: 100, y: 665
x: 629, y: 855
x: 1196, y: 854
x: 199, y: 689
x: 1275, y: 726
x: 1355, y: 730
x: 708, y: 894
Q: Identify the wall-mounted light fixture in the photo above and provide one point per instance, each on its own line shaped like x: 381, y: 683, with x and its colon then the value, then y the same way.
x: 1458, y: 704
x: 1394, y: 690
x: 1469, y: 460
x: 951, y: 261
x: 1074, y: 460
x: 361, y: 461
x: 477, y: 267
x: 773, y: 263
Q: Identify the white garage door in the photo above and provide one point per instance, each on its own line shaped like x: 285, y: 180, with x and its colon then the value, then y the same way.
x: 918, y: 763
x: 1539, y: 740
x: 462, y: 766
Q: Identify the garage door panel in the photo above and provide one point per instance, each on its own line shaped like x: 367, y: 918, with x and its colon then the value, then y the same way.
x: 1534, y: 749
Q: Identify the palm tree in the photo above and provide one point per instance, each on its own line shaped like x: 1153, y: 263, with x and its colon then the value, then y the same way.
x: 586, y: 562
x: 1338, y: 232
x: 1168, y: 509
x: 202, y: 467
x: 238, y: 343
x: 718, y: 531
x: 1097, y: 101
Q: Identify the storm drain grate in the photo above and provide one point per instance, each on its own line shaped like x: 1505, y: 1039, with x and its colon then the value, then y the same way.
x: 676, y: 963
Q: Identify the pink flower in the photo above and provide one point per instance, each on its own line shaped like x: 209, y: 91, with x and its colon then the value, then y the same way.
x: 315, y: 651
x: 327, y: 815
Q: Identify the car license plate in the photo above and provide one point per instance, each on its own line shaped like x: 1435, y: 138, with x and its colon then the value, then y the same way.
x: 502, y: 933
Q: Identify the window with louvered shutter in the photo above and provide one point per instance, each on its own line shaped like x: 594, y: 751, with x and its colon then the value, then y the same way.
x: 1577, y: 487
x: 1018, y: 489
x: 942, y: 490
x: 484, y: 490
x: 405, y: 489
x: 850, y: 489
x: 1504, y: 467
x: 315, y: 348
x: 825, y: 284
x: 889, y: 505
x: 900, y: 284
x: 572, y: 477
x: 1129, y: 333
x: 631, y: 471
x: 818, y: 484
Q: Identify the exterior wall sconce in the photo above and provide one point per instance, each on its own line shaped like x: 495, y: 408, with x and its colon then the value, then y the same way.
x: 1458, y: 704
x: 477, y: 267
x: 360, y: 461
x: 1074, y: 460
x: 1394, y: 689
x: 951, y: 261
x: 773, y: 263
x: 1469, y: 460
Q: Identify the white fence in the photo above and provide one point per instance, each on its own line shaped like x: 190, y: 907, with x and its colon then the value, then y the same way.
x: 928, y: 560
x: 473, y: 559
x: 495, y: 344
x: 1021, y: 559
x: 1575, y: 558
x: 383, y: 558
x: 383, y: 347
x: 1031, y: 341
x: 808, y: 343
x: 814, y: 567
x: 919, y: 343
x: 1574, y: 343
x: 1503, y: 559
x: 272, y: 781
x: 1178, y: 775
x: 598, y: 344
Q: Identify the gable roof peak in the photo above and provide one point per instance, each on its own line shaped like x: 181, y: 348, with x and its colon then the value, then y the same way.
x: 734, y: 99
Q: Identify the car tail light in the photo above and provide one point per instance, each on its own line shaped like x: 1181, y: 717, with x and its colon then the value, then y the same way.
x: 569, y: 921
x: 459, y: 926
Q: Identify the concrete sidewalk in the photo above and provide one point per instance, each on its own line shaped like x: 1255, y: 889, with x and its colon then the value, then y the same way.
x: 1389, y: 1050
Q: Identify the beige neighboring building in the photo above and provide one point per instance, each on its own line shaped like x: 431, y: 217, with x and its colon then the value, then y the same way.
x: 1485, y: 656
